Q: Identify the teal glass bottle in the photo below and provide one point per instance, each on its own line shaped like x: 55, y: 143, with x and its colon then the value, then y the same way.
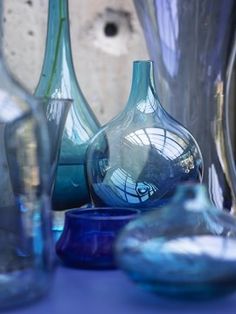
x: 139, y: 158
x: 58, y: 80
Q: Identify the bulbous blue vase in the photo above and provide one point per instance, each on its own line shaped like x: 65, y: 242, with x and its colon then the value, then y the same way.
x: 183, y: 250
x: 139, y: 158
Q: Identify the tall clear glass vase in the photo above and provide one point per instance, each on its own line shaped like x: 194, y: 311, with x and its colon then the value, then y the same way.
x: 58, y: 80
x: 26, y: 255
x: 193, y: 44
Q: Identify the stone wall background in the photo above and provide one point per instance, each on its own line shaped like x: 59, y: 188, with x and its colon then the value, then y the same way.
x: 106, y: 37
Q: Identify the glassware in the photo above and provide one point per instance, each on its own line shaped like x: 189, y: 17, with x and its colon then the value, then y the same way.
x: 26, y: 255
x: 58, y: 80
x: 185, y: 250
x: 194, y: 46
x: 138, y: 158
x: 89, y: 234
x: 56, y: 111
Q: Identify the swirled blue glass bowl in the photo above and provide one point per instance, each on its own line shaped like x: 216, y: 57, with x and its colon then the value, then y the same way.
x: 89, y: 234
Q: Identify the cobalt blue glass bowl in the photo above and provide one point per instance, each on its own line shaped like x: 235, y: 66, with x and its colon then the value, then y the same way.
x: 89, y: 234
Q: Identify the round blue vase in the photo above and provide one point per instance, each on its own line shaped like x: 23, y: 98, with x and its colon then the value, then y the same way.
x: 139, y: 158
x: 89, y: 234
x: 184, y: 250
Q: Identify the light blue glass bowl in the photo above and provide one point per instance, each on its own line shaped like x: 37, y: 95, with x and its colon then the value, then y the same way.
x: 185, y: 250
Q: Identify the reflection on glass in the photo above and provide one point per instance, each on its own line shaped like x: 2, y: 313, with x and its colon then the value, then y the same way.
x: 129, y: 190
x: 167, y: 14
x: 133, y: 183
x: 166, y: 143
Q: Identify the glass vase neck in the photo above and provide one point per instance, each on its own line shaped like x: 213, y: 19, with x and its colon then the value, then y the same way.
x: 58, y: 56
x: 58, y: 19
x: 143, y: 83
x: 194, y: 195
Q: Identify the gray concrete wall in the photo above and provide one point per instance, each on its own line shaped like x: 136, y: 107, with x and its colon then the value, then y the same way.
x: 103, y: 63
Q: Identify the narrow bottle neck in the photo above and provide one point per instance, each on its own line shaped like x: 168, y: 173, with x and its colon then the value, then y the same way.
x: 143, y: 83
x: 194, y: 195
x: 58, y: 22
x: 58, y: 44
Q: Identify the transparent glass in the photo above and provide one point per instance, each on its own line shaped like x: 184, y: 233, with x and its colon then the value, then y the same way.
x: 55, y: 111
x: 193, y: 43
x: 26, y: 255
x: 184, y: 250
x: 58, y: 80
x: 138, y: 158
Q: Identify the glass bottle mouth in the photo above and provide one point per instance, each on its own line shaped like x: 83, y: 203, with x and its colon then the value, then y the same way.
x: 194, y: 195
x: 143, y: 82
x: 143, y: 68
x: 144, y: 62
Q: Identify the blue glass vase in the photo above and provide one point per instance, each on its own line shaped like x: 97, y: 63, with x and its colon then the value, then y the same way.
x: 87, y: 240
x: 26, y: 254
x: 138, y: 158
x: 183, y: 250
x: 58, y: 80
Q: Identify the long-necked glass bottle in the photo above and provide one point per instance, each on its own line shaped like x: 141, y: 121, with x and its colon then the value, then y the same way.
x: 58, y: 80
x: 25, y: 230
x: 139, y: 157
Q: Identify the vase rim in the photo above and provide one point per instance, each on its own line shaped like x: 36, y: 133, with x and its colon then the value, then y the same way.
x: 103, y: 213
x: 149, y: 61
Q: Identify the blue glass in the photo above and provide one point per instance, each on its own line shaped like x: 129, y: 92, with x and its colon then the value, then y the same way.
x: 139, y: 157
x: 193, y: 43
x: 58, y: 80
x: 26, y: 246
x: 183, y: 250
x: 89, y: 234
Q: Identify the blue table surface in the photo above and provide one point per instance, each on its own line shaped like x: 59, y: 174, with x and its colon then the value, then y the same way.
x: 111, y: 292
